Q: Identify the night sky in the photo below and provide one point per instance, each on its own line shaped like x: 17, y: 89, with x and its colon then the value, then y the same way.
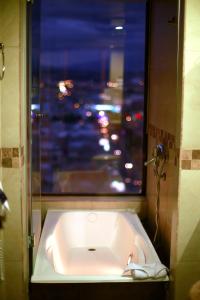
x: 74, y: 33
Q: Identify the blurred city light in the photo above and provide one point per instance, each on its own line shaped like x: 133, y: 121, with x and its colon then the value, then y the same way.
x: 128, y: 118
x: 114, y: 137
x: 65, y: 88
x: 62, y: 87
x: 88, y: 113
x: 108, y: 107
x: 104, y: 130
x: 119, y: 27
x: 103, y: 121
x: 35, y: 106
x: 105, y: 144
x: 107, y: 147
x: 111, y: 84
x: 117, y: 152
x: 127, y: 180
x: 76, y: 105
x: 128, y: 165
x: 118, y: 186
x: 101, y: 113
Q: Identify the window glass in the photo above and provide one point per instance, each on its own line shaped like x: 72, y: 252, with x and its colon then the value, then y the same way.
x: 92, y: 96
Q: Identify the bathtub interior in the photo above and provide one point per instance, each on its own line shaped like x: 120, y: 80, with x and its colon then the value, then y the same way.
x: 85, y: 245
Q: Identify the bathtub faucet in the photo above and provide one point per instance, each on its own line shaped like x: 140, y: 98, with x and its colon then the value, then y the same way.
x: 150, y: 161
x: 159, y: 154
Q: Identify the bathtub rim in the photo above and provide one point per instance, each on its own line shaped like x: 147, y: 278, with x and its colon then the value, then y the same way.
x: 52, y: 277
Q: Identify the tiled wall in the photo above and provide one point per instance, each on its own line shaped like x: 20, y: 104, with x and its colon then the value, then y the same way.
x: 188, y: 237
x: 162, y: 120
x: 13, y: 148
x: 174, y: 114
x: 2, y: 285
x: 179, y: 244
x: 0, y: 91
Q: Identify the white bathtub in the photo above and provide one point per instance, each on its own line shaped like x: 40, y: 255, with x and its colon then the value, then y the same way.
x: 90, y: 246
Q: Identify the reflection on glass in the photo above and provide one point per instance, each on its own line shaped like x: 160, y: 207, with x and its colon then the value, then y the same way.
x: 35, y: 130
x: 92, y: 92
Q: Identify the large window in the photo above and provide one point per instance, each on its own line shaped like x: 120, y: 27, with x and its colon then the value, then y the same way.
x: 91, y: 96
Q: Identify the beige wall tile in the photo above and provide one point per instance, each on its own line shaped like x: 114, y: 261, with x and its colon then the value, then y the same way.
x: 192, y: 10
x: 186, y: 154
x: 0, y: 110
x: 14, y: 283
x: 173, y: 249
x: 190, y: 126
x: 13, y: 225
x: 10, y: 100
x: 192, y: 32
x: 189, y: 216
x: 191, y: 109
x: 186, y: 275
x: 1, y: 8
x: 191, y: 60
x: 9, y: 23
x: 195, y: 164
x: 0, y: 103
x: 187, y: 270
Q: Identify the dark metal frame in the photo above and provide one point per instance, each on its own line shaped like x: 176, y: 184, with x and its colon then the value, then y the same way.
x: 28, y: 111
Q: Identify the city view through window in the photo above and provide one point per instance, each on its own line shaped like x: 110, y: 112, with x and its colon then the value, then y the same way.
x: 88, y: 88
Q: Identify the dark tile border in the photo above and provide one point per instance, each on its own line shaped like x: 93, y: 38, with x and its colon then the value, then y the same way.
x: 11, y: 157
x: 166, y: 138
x: 189, y: 159
x: 162, y: 136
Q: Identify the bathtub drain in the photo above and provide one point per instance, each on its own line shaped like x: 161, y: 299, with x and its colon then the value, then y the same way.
x: 91, y: 249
